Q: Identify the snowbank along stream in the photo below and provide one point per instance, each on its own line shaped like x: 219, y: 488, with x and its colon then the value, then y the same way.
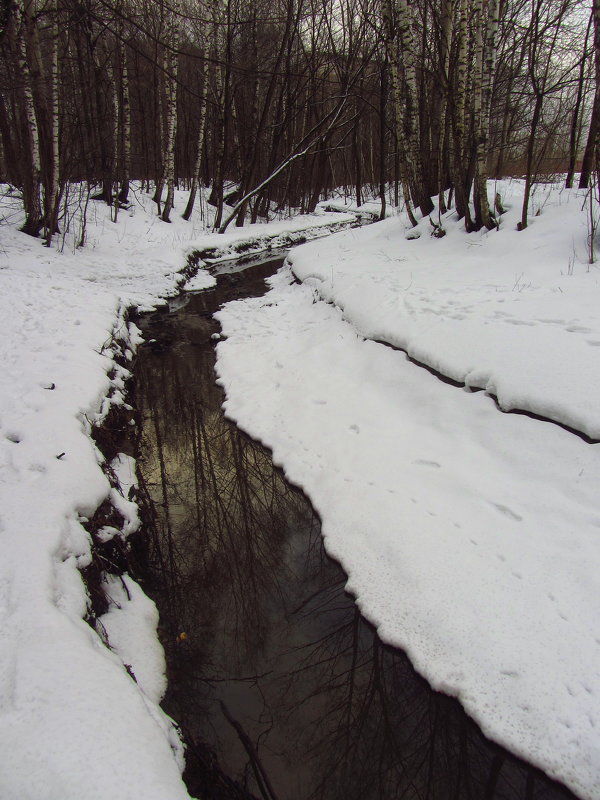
x: 281, y: 689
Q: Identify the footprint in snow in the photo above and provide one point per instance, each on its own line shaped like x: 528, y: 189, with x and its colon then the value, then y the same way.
x: 507, y: 512
x: 36, y: 467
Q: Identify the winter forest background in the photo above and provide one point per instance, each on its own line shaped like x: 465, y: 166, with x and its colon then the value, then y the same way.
x: 274, y: 104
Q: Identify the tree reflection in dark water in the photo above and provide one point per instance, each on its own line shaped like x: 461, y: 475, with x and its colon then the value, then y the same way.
x: 270, y: 665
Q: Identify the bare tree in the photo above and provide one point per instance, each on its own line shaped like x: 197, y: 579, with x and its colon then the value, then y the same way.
x: 171, y: 103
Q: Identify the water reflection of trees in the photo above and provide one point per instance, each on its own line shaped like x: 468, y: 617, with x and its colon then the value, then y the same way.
x: 383, y: 733
x: 275, y: 650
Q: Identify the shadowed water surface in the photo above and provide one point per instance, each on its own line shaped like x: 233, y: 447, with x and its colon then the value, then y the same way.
x: 280, y: 687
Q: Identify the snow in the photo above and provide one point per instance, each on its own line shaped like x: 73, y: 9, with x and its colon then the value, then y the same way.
x: 79, y: 714
x: 470, y: 537
x: 130, y: 626
x: 459, y: 304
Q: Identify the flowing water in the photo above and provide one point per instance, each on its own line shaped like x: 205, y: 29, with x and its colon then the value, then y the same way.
x: 281, y: 689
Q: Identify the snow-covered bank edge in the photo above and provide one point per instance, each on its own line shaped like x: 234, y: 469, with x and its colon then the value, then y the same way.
x: 82, y: 670
x: 398, y: 285
x: 119, y: 611
x: 470, y: 536
x: 201, y: 259
x: 391, y: 516
x: 79, y: 713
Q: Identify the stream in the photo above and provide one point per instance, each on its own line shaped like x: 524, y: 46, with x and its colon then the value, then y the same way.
x: 281, y: 689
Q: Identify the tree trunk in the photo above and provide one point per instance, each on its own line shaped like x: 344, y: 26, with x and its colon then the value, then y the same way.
x: 196, y: 177
x: 34, y: 219
x: 53, y: 189
x: 169, y: 157
x: 126, y: 128
x: 482, y: 90
x: 590, y: 157
x: 393, y: 60
x: 382, y: 138
x: 222, y: 93
x: 460, y: 172
x: 537, y: 111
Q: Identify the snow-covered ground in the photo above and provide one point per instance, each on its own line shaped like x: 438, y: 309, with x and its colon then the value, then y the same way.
x: 73, y: 723
x: 471, y: 537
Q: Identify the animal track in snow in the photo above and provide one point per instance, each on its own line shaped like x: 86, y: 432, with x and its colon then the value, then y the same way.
x: 520, y: 322
x: 36, y: 467
x: 507, y: 512
x: 422, y: 462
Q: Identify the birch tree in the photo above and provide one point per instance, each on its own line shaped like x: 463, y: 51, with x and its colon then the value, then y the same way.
x: 32, y: 177
x: 53, y: 190
x: 398, y: 104
x: 485, y: 61
x: 172, y: 64
x: 125, y: 116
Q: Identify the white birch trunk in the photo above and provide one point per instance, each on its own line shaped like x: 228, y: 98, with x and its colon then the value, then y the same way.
x: 114, y: 102
x: 169, y: 159
x: 487, y: 58
x: 393, y: 59
x: 125, y: 127
x: 31, y: 191
x: 218, y: 22
x: 446, y: 29
x: 53, y: 189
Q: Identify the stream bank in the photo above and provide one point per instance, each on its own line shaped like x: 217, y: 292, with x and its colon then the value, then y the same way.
x: 274, y: 678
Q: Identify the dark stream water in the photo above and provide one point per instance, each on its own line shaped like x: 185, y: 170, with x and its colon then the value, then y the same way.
x: 281, y: 689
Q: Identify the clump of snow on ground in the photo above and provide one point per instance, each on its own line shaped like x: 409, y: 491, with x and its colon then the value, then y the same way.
x: 75, y: 722
x: 130, y: 625
x: 470, y: 537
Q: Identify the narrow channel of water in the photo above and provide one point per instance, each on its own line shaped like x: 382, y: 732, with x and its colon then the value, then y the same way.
x: 281, y: 689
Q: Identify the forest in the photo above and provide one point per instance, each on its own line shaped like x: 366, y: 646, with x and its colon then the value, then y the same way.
x: 275, y: 104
